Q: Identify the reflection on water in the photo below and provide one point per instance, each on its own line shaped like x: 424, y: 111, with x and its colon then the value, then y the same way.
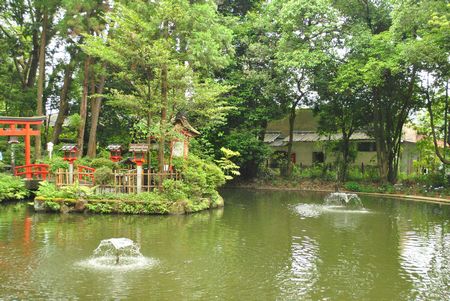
x: 303, y: 269
x: 425, y: 260
x: 261, y: 246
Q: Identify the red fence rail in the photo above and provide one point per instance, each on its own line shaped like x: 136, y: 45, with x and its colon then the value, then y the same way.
x: 32, y: 171
x: 86, y: 174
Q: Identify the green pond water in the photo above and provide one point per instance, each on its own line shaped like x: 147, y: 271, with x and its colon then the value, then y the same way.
x: 263, y: 245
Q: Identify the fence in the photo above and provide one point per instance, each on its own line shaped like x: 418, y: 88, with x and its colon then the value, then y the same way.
x: 123, y: 181
x: 32, y: 171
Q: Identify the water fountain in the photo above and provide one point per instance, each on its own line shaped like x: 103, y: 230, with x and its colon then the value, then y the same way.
x: 336, y: 202
x: 118, y: 253
x: 348, y: 200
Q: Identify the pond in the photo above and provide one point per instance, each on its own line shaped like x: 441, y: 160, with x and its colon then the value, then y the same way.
x: 264, y: 245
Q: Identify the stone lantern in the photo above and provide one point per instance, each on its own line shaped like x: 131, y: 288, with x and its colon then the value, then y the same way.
x: 115, y: 152
x: 70, y: 155
x: 139, y: 154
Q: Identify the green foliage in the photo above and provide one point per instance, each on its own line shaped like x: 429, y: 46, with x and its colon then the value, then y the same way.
x: 252, y: 151
x: 197, y: 205
x: 316, y: 172
x: 69, y: 132
x: 12, y: 188
x: 49, y: 190
x: 202, y: 177
x: 103, y: 162
x: 100, y: 207
x: 229, y: 168
x: 54, y: 206
x: 55, y: 163
x: 370, y: 174
x: 175, y: 190
x: 352, y: 186
x: 103, y: 175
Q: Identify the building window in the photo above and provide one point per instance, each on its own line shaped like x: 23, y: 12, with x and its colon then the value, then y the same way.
x: 367, y: 147
x: 318, y: 157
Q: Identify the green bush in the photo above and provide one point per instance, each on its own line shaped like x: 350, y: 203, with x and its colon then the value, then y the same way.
x: 202, y: 177
x: 175, y: 190
x: 317, y: 171
x: 103, y: 175
x: 54, y: 206
x: 103, y: 162
x: 352, y: 186
x: 55, y: 163
x: 100, y: 207
x: 85, y: 161
x: 266, y: 173
x: 12, y: 188
x: 50, y: 191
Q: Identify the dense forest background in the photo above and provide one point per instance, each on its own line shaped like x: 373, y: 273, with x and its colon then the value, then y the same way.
x: 119, y: 71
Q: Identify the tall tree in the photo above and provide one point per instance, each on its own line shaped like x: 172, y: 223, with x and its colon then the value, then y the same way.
x: 163, y: 62
x: 306, y: 31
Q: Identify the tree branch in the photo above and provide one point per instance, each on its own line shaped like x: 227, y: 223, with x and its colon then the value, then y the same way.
x: 433, y: 131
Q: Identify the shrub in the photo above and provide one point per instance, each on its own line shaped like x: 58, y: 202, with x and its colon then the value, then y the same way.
x: 54, y: 206
x: 318, y: 171
x: 103, y: 162
x: 175, y: 190
x: 100, y: 207
x: 85, y: 161
x: 55, y: 163
x: 50, y: 191
x: 352, y: 186
x: 103, y: 175
x: 266, y: 173
x: 202, y: 177
x: 12, y: 188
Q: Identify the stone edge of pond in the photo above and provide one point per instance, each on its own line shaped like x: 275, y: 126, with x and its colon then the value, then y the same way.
x: 417, y: 198
x: 107, y: 206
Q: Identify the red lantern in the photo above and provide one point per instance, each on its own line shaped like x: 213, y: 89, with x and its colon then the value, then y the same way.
x: 115, y: 152
x: 70, y: 152
x: 139, y: 152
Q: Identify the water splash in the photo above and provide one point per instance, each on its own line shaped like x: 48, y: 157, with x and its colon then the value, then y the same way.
x: 118, y: 254
x: 349, y: 200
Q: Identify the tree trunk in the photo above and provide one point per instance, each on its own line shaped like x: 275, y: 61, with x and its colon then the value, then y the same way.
x: 164, y: 90
x: 446, y: 123
x: 95, y: 113
x: 41, y: 79
x: 379, y: 136
x: 289, y: 164
x: 83, y: 106
x: 63, y: 103
x: 433, y: 132
x: 342, y: 176
x: 31, y: 72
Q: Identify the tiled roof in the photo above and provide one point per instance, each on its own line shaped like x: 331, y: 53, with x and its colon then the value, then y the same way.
x: 69, y: 147
x: 275, y: 138
x: 114, y: 147
x: 314, y: 136
x: 270, y: 137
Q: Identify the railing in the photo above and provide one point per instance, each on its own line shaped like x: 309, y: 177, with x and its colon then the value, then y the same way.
x: 123, y: 181
x: 126, y: 181
x: 32, y: 171
x: 86, y: 174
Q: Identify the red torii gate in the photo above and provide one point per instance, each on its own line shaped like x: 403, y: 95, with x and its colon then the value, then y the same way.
x: 22, y: 126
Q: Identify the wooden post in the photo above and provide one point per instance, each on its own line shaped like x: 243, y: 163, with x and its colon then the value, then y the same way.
x: 27, y: 150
